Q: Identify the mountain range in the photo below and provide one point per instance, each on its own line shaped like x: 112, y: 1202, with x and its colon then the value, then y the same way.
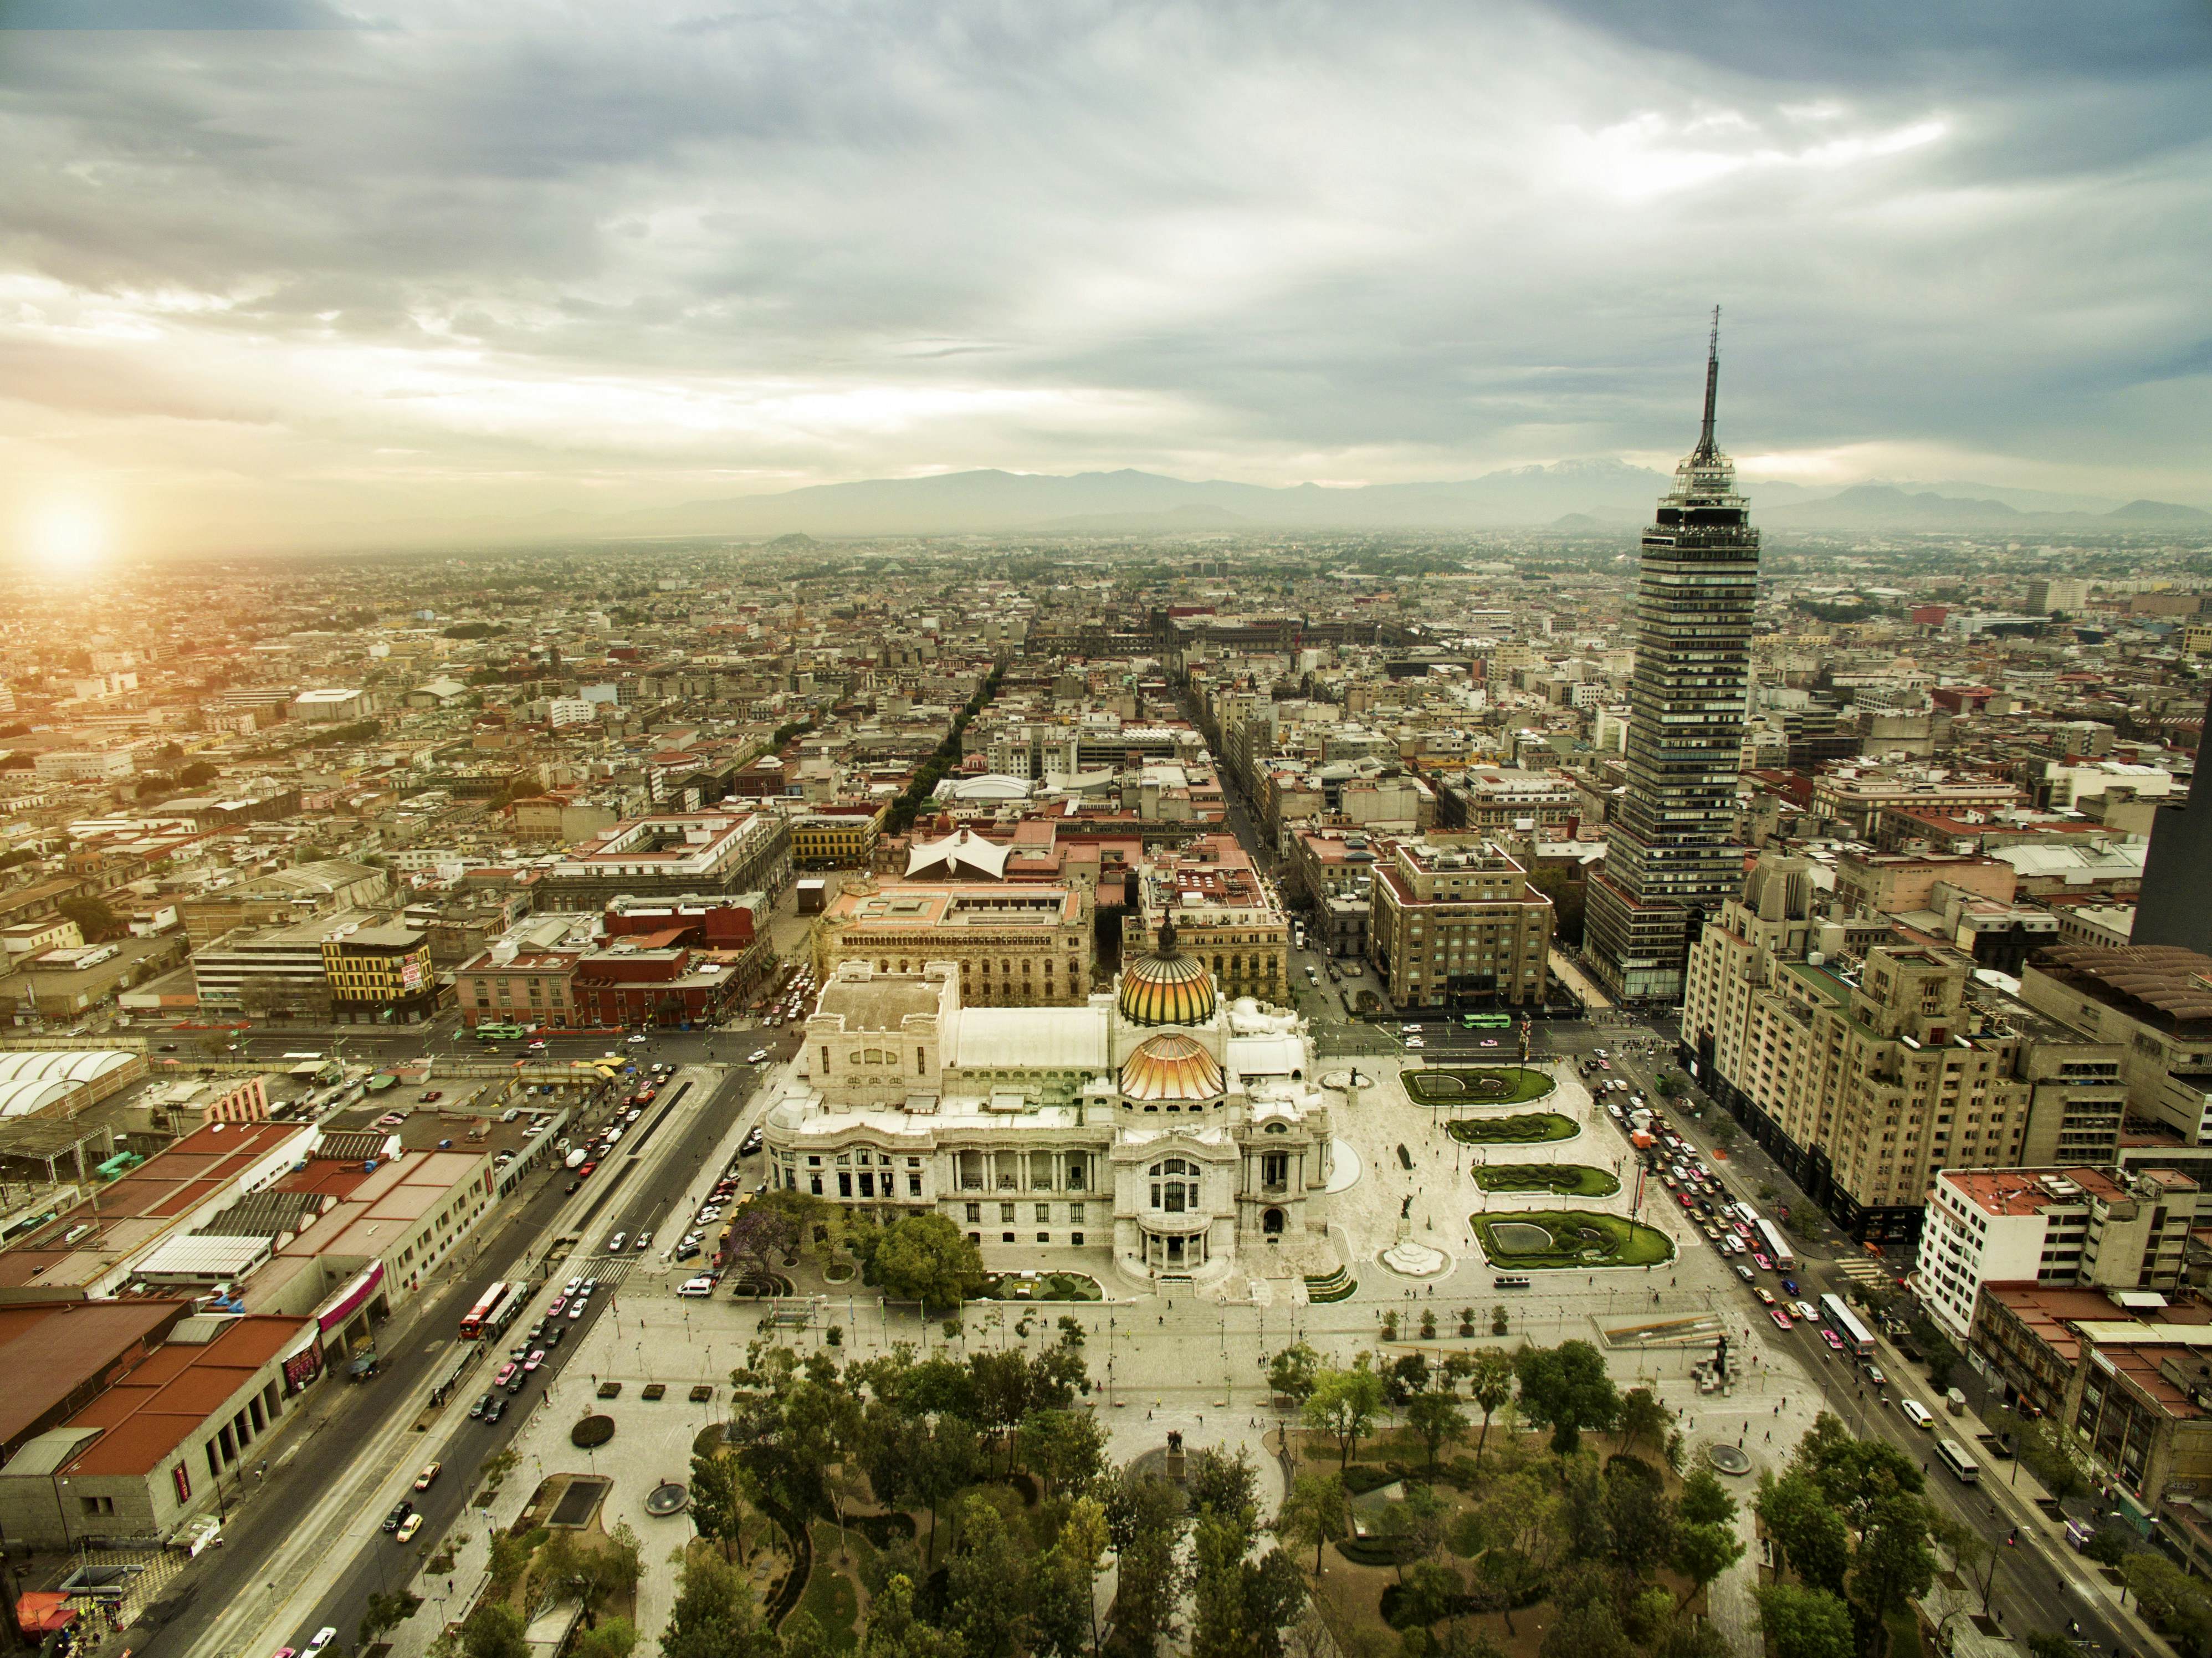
x: 1580, y: 496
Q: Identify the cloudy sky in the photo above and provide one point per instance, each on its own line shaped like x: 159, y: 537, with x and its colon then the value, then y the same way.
x: 371, y: 271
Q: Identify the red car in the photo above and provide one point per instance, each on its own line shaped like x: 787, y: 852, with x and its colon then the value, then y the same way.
x: 1832, y: 1339
x: 1781, y: 1319
x: 506, y: 1373
x: 587, y: 1170
x: 559, y: 1304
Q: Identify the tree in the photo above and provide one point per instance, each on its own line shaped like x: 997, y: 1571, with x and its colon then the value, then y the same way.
x: 92, y: 917
x: 1940, y: 1354
x: 197, y: 773
x: 1318, y: 1511
x: 713, y: 1616
x: 1220, y: 1482
x: 1081, y: 1546
x: 1430, y: 1592
x: 986, y: 1589
x: 1803, y: 1623
x: 926, y: 1257
x: 383, y: 1613
x: 2170, y: 1598
x: 614, y: 1637
x: 1701, y: 1553
x: 1145, y: 1517
x: 1642, y: 1417
x: 1973, y: 1554
x: 717, y: 1502
x: 1892, y: 1564
x: 1491, y: 1384
x: 1064, y: 1449
x: 1436, y: 1416
x: 1809, y: 1537
x: 773, y: 1226
x: 1706, y: 1501
x: 894, y: 1632
x: 1344, y: 1404
x: 1566, y: 1389
x: 1291, y: 1372
x: 493, y: 1629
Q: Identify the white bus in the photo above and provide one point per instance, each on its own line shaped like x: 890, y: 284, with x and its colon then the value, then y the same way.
x: 1954, y: 1456
x: 1777, y: 1248
x: 1855, y: 1337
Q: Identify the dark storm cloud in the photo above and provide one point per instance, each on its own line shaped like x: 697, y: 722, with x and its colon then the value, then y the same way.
x: 1273, y: 241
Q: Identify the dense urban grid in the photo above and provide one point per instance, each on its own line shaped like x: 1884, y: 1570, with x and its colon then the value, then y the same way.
x: 1558, y: 1093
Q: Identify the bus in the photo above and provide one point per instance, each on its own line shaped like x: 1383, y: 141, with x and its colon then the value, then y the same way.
x: 1855, y: 1336
x: 1486, y: 1021
x: 1777, y: 1248
x: 473, y: 1321
x: 500, y: 1033
x: 1953, y: 1455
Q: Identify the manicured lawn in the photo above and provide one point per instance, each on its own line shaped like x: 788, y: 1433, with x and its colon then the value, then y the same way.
x: 1529, y: 1128
x: 1537, y: 1239
x: 829, y: 1597
x: 1045, y: 1286
x: 1485, y: 1085
x: 1569, y: 1179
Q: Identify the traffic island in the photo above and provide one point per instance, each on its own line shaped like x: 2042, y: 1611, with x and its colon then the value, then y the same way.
x: 1486, y: 1084
x: 1527, y: 1128
x: 1567, y: 1179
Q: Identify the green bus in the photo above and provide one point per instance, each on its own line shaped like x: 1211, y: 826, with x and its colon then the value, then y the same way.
x: 493, y: 1033
x: 1487, y: 1021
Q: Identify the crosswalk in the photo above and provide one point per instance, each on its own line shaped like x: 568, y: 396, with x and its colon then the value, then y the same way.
x: 1866, y: 1272
x: 607, y: 1270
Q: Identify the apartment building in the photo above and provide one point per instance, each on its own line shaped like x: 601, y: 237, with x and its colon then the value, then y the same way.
x: 1857, y: 798
x: 703, y: 852
x: 2152, y: 1004
x: 379, y: 975
x: 1456, y: 924
x: 1864, y: 1061
x: 1333, y: 872
x: 2112, y: 1229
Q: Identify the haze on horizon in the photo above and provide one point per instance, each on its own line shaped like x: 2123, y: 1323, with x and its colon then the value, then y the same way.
x: 391, y: 273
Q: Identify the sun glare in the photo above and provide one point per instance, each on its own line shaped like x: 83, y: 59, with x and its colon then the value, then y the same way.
x: 65, y: 538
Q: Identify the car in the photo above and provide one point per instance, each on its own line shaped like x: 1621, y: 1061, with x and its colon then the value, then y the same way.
x: 758, y: 1056
x: 408, y: 1527
x: 577, y: 1311
x: 1781, y: 1319
x: 695, y: 1286
x: 1683, y: 1197
x: 560, y: 1305
x: 433, y: 1096
x: 613, y: 1136
x: 392, y: 1521
x: 1409, y: 1030
x: 1415, y: 1041
x: 1713, y: 1232
x: 1789, y: 1286
x: 537, y: 1357
x: 750, y: 1143
x: 1761, y: 1262
x: 573, y: 1188
x: 170, y: 1048
x: 642, y: 1241
x: 637, y: 1042
x: 572, y: 1285
x: 537, y: 1046
x: 483, y: 1405
x: 633, y: 1114
x: 1832, y: 1339
x: 519, y: 1381
x: 1917, y: 1414
x: 687, y: 1252
x: 322, y: 1638
x: 498, y: 1410
x: 586, y: 1168
x: 429, y: 1477
x: 1766, y: 1296
x: 554, y: 1335
x: 1874, y: 1374
x: 1805, y: 1309
x: 616, y: 1241
x: 1490, y: 1042
x: 1742, y: 1271
x: 504, y: 1374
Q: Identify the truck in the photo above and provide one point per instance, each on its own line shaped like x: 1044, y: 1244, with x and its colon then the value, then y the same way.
x: 576, y: 1158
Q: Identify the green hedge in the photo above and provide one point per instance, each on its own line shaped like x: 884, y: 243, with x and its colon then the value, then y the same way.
x: 1573, y: 1179
x: 1623, y: 1242
x: 1489, y: 1084
x: 1530, y: 1128
x: 1379, y: 1550
x: 1328, y: 1292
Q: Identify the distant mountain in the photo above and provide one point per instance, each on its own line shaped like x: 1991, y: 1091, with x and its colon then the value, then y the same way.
x: 1196, y: 518
x: 2160, y: 511
x: 1884, y: 506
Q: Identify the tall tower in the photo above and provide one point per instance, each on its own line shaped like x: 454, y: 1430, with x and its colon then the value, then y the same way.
x: 1671, y: 854
x: 2175, y: 905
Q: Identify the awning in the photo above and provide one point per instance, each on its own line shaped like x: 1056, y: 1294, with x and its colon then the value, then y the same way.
x: 41, y: 1612
x: 349, y: 1300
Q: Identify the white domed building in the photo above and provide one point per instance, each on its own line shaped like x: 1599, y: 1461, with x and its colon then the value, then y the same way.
x: 1153, y: 1121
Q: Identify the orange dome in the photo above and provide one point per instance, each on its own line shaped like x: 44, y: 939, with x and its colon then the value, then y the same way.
x: 1172, y: 1066
x: 1169, y: 989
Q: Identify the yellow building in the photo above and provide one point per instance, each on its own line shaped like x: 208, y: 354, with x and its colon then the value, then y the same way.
x: 380, y: 975
x: 1016, y: 944
x: 836, y: 840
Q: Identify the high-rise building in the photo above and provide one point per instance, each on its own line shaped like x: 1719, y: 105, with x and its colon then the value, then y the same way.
x: 2176, y: 905
x: 1671, y: 859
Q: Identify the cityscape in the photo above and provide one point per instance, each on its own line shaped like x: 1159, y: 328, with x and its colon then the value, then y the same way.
x: 721, y: 923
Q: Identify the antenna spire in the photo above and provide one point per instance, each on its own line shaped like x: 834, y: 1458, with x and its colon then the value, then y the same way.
x: 1712, y: 382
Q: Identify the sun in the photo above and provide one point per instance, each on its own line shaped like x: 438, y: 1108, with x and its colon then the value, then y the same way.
x: 65, y: 538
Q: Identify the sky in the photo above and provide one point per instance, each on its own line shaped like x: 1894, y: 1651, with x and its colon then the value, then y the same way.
x: 347, y: 275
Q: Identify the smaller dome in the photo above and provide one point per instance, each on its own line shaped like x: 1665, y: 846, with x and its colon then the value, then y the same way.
x: 1173, y: 1066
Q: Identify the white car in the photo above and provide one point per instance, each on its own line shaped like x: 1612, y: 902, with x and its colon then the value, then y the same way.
x: 1409, y: 1030
x: 1415, y: 1041
x: 1917, y: 1414
x: 323, y: 1638
x: 695, y: 1286
x: 758, y: 1056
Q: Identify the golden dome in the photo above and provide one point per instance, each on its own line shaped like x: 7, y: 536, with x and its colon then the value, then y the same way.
x: 1171, y: 1067
x: 1167, y: 987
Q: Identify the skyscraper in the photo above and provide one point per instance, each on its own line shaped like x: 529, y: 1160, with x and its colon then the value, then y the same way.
x: 1672, y: 858
x: 2175, y: 906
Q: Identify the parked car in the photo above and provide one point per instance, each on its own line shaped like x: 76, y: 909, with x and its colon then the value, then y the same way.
x: 695, y: 1286
x: 751, y: 1143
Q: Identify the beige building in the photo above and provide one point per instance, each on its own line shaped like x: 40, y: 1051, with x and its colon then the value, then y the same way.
x: 1224, y: 915
x: 1864, y: 1072
x: 2153, y: 1002
x: 1016, y: 944
x: 1456, y: 924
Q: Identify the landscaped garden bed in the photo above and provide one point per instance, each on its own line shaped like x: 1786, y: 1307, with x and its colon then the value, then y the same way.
x: 1045, y: 1286
x: 1569, y: 1179
x: 1527, y: 1128
x: 1538, y: 1239
x: 1486, y: 1084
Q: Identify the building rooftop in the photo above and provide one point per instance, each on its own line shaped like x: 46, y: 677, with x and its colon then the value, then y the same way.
x: 1999, y: 1192
x: 155, y: 1407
